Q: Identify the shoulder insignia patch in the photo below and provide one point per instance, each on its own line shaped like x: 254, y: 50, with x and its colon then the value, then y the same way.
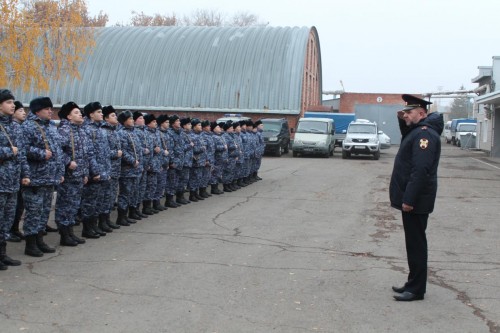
x: 424, y: 143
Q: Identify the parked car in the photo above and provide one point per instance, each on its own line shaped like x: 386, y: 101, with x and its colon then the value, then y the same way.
x: 232, y: 117
x: 314, y: 136
x: 385, y: 140
x: 276, y: 135
x: 462, y: 130
x: 361, y: 138
x: 447, y: 132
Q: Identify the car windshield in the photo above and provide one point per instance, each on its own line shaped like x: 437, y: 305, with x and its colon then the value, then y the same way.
x: 272, y: 127
x: 312, y: 127
x: 359, y: 128
x: 468, y: 128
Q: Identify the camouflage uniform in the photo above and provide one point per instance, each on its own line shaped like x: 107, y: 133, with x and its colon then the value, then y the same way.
x: 199, y: 160
x: 221, y: 157
x: 146, y: 147
x: 176, y: 160
x: 129, y: 174
x: 116, y: 161
x: 210, y: 150
x: 240, y: 162
x: 230, y: 165
x: 44, y: 174
x: 259, y: 151
x: 155, y: 163
x: 166, y: 143
x: 75, y: 147
x: 188, y: 161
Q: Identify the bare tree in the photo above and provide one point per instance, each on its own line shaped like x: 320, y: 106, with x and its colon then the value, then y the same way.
x: 244, y: 19
x: 205, y: 18
x: 142, y: 19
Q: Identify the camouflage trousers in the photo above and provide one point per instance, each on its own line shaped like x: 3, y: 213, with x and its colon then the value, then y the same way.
x: 228, y: 171
x: 183, y: 179
x: 114, y: 184
x: 172, y: 181
x: 7, y: 212
x: 161, y: 188
x: 127, y: 192
x: 256, y: 164
x: 102, y: 205
x: 207, y: 174
x: 90, y: 195
x: 69, y: 195
x: 240, y: 170
x: 37, y: 204
x: 248, y: 167
x: 216, y: 176
x: 143, y: 181
x: 195, y: 178
x: 151, y: 185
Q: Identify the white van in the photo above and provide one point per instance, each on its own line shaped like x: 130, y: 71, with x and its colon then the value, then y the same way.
x: 447, y: 132
x: 314, y: 136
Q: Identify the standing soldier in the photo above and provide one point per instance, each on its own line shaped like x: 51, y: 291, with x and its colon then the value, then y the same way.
x: 240, y: 162
x: 166, y: 146
x: 131, y: 167
x: 228, y: 171
x: 245, y: 139
x: 154, y: 166
x: 206, y: 135
x: 44, y: 156
x: 147, y: 152
x: 176, y: 160
x: 199, y: 161
x: 187, y: 144
x: 12, y: 167
x: 75, y: 148
x: 110, y: 125
x: 93, y: 202
x: 220, y: 158
x: 15, y: 234
x: 252, y: 147
x: 259, y: 149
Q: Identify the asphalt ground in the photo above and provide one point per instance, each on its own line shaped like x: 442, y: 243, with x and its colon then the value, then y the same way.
x: 313, y: 247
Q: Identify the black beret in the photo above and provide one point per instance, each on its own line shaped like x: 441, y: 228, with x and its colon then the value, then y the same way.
x: 107, y: 110
x: 18, y: 105
x: 149, y: 118
x: 124, y: 115
x: 205, y: 123
x: 40, y: 103
x: 91, y: 108
x: 172, y: 119
x: 185, y: 121
x: 137, y: 115
x: 195, y: 121
x: 227, y: 125
x: 5, y: 94
x: 257, y: 123
x: 213, y: 125
x: 66, y: 109
x: 413, y: 102
x: 161, y: 119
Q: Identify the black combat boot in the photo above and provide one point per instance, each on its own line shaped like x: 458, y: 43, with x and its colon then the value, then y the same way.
x: 66, y: 239
x: 42, y: 245
x: 31, y: 248
x: 87, y: 230
x: 257, y: 176
x: 226, y: 188
x: 235, y: 185
x: 241, y: 183
x: 122, y: 218
x: 192, y: 196
x: 180, y: 198
x: 214, y: 189
x: 95, y: 226
x: 110, y: 223
x: 204, y: 193
x: 198, y: 195
x: 170, y: 201
x: 158, y: 206
x: 138, y: 212
x: 132, y: 214
x: 146, y: 207
x: 103, y: 225
x: 4, y: 258
x: 75, y: 238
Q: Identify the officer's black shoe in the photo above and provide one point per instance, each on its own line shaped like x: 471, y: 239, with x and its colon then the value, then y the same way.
x: 75, y: 238
x: 66, y: 239
x: 42, y: 245
x: 257, y: 176
x: 398, y: 289
x: 235, y: 185
x: 13, y: 238
x: 103, y: 225
x: 4, y: 258
x: 241, y: 183
x: 192, y: 196
x: 214, y: 189
x: 158, y: 206
x: 146, y: 207
x: 408, y: 297
x: 87, y: 230
x: 48, y: 228
x: 122, y: 218
x: 110, y: 223
x: 31, y: 248
x: 132, y: 214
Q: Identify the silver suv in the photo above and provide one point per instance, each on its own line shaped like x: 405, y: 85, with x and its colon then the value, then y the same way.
x: 361, y: 139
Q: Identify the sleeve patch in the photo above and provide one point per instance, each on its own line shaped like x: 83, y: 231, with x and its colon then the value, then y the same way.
x: 424, y: 143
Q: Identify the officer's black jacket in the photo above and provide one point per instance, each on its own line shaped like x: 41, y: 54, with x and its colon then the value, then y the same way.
x: 414, y: 177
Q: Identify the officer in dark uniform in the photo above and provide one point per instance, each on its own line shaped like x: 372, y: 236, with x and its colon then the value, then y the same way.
x: 413, y: 187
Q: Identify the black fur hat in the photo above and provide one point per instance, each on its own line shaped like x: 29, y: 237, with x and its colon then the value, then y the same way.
x: 124, y: 115
x: 257, y: 123
x: 91, y: 108
x: 205, y: 123
x: 250, y: 122
x: 137, y: 115
x: 40, y: 103
x: 173, y: 118
x: 107, y: 110
x: 227, y: 124
x: 185, y: 121
x: 149, y: 118
x: 161, y: 119
x: 18, y: 105
x: 5, y: 94
x: 195, y: 121
x: 66, y: 109
x: 213, y: 125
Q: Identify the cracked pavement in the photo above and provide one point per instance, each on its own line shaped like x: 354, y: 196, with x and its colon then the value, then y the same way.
x: 314, y: 247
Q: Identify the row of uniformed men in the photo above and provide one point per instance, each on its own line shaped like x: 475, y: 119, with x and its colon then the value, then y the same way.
x: 93, y: 160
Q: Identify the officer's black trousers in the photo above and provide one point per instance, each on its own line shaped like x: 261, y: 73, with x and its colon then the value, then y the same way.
x: 416, y: 251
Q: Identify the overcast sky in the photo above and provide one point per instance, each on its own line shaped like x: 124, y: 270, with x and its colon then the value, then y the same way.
x: 384, y: 46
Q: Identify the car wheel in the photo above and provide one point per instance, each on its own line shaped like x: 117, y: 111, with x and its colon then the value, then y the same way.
x: 278, y: 151
x: 458, y: 143
x: 376, y: 156
x: 295, y: 154
x: 332, y: 151
x: 286, y: 150
x: 344, y: 154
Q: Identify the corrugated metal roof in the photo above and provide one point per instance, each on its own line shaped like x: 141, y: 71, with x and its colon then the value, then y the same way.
x: 205, y: 68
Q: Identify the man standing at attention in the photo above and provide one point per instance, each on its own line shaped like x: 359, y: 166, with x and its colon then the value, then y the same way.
x: 413, y: 187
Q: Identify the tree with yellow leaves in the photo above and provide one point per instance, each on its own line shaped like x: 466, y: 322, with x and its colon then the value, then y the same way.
x: 44, y: 39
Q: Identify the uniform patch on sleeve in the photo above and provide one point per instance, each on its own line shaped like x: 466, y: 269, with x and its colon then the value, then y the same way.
x: 424, y: 143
